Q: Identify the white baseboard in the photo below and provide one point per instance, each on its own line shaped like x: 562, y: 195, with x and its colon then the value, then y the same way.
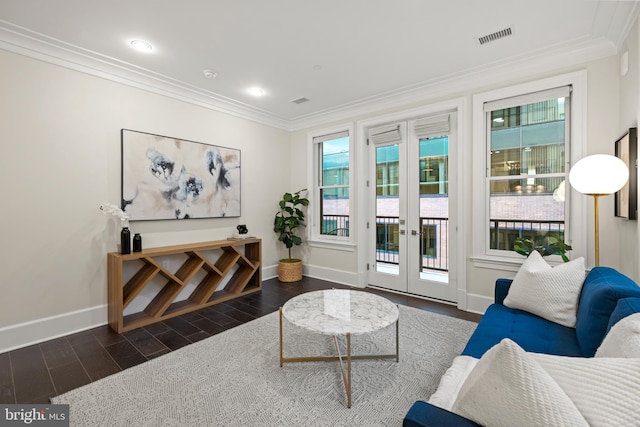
x: 478, y: 303
x: 322, y: 273
x: 471, y: 302
x: 39, y: 330
x: 36, y: 331
x: 338, y: 276
x: 269, y: 272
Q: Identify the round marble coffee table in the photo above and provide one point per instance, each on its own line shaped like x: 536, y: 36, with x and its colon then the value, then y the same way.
x: 340, y: 312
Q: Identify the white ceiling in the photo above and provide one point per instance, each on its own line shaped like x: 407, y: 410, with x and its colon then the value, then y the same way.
x: 340, y: 54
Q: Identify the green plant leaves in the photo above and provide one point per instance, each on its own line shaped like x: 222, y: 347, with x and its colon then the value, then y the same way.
x: 524, y: 246
x: 290, y: 218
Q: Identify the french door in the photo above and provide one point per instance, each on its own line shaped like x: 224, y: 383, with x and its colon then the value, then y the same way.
x: 411, y: 231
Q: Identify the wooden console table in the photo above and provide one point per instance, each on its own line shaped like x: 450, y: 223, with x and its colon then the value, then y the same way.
x: 245, y: 279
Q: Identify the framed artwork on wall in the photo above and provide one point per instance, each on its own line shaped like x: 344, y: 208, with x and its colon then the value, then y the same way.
x: 626, y: 201
x: 171, y: 178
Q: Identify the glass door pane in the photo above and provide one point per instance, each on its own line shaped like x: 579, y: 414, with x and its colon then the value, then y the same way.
x: 433, y: 167
x: 387, y: 209
x: 432, y: 219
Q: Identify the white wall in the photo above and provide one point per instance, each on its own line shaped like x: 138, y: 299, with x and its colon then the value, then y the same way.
x: 602, y: 129
x: 628, y: 232
x: 60, y: 136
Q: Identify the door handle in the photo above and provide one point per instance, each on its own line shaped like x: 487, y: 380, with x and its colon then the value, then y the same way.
x: 415, y: 233
x: 402, y: 232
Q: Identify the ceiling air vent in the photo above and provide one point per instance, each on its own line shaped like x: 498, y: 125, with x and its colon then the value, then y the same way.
x: 300, y: 100
x: 494, y: 36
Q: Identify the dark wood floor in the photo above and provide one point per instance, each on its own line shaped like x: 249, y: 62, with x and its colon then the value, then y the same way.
x: 34, y: 374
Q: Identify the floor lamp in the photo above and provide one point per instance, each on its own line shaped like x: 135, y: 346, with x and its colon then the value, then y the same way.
x: 598, y: 175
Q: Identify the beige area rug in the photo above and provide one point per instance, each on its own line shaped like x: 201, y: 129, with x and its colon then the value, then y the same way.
x: 234, y: 379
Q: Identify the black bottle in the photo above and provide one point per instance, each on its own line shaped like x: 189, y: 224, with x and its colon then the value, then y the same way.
x: 137, y: 243
x: 125, y: 241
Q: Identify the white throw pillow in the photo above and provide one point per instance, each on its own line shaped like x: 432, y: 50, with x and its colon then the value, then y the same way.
x: 452, y: 381
x: 623, y: 340
x: 549, y: 292
x: 605, y: 390
x: 508, y: 388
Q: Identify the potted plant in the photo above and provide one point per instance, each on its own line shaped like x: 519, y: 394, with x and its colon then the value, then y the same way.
x: 524, y: 246
x: 286, y: 223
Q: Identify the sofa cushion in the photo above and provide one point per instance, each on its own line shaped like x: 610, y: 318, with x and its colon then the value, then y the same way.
x: 605, y: 390
x: 625, y: 307
x: 549, y: 292
x: 601, y: 291
x: 501, y: 388
x: 422, y: 414
x: 623, y: 340
x: 531, y: 332
x: 501, y: 290
x: 451, y: 382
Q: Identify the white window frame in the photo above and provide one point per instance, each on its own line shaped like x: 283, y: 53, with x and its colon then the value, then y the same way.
x: 575, y: 219
x: 314, y: 221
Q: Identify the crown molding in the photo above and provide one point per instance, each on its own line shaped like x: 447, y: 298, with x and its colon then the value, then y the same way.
x: 39, y: 46
x: 627, y: 17
x: 568, y: 54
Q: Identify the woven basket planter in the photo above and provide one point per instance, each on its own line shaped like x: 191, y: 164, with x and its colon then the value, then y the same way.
x: 290, y: 271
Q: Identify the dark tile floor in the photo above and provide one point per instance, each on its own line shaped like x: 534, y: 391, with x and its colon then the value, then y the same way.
x: 34, y: 374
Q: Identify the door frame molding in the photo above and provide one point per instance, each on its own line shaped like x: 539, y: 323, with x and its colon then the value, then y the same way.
x: 463, y: 162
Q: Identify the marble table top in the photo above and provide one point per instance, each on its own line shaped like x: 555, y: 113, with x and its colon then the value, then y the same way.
x: 340, y: 311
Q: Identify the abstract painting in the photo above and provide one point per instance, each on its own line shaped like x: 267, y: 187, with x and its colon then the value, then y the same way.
x: 170, y: 178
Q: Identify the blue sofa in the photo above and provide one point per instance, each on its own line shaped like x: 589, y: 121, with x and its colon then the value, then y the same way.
x: 606, y: 297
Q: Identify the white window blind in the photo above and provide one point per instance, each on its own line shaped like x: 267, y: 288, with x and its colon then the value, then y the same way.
x: 530, y: 98
x: 385, y: 134
x: 328, y: 137
x: 432, y: 126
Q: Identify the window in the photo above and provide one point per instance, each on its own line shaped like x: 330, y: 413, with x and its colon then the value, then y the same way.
x: 387, y: 178
x: 332, y: 186
x: 527, y: 139
x: 528, y: 143
x: 434, y: 166
x: 387, y: 239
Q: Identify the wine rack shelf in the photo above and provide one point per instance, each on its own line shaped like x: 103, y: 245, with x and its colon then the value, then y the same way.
x: 245, y: 255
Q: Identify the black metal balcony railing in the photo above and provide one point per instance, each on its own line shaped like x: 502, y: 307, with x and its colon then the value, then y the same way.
x: 434, y: 243
x: 434, y: 246
x: 387, y: 239
x: 335, y: 225
x: 434, y: 235
x: 504, y: 232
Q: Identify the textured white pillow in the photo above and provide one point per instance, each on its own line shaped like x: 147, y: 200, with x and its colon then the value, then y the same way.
x: 605, y: 390
x: 508, y: 388
x: 623, y: 340
x: 452, y: 381
x: 549, y: 292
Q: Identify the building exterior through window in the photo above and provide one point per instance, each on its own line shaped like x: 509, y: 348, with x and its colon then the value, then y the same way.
x: 526, y: 172
x: 333, y: 155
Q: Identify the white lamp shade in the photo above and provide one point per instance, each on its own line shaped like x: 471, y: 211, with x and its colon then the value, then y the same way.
x: 599, y: 174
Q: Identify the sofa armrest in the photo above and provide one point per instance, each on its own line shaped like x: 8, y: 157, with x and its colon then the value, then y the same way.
x: 501, y: 290
x: 423, y: 414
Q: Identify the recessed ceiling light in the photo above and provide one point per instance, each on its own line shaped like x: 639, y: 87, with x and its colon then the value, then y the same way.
x: 141, y: 45
x: 255, y: 91
x: 210, y: 74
